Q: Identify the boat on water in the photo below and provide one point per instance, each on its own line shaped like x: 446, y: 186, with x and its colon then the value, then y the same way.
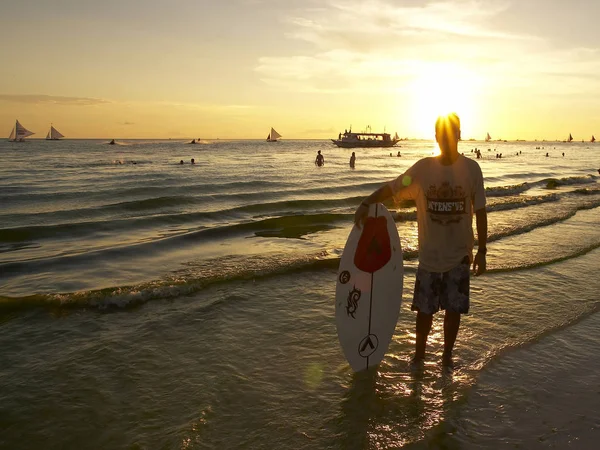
x: 570, y: 138
x: 273, y: 136
x: 488, y: 138
x: 112, y: 142
x: 193, y: 141
x: 365, y: 140
x: 593, y: 139
x: 54, y: 134
x: 19, y: 133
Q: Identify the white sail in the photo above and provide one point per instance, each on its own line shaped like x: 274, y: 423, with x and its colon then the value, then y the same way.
x: 274, y: 134
x: 19, y: 132
x: 54, y: 134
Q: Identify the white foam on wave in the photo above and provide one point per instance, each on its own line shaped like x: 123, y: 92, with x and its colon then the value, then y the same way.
x: 501, y: 191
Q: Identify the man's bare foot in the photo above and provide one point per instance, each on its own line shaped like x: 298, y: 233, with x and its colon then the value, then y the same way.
x: 416, y: 362
x: 447, y: 361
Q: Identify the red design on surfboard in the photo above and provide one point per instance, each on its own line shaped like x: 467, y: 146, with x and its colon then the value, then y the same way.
x: 373, y: 250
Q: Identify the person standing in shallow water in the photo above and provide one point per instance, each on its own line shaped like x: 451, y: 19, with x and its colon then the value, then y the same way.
x: 352, y: 160
x: 448, y: 190
x: 319, y: 161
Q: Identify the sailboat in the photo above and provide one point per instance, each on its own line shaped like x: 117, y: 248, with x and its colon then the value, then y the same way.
x: 570, y: 138
x: 593, y: 139
x: 19, y: 133
x: 273, y: 135
x: 53, y: 134
x: 488, y: 138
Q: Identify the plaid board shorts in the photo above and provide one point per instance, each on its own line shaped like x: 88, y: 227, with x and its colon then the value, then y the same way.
x: 445, y: 290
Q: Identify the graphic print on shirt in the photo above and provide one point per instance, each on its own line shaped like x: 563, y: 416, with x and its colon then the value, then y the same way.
x: 446, y: 204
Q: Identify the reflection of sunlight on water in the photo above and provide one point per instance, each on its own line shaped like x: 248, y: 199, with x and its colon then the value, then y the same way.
x: 436, y: 336
x: 313, y: 375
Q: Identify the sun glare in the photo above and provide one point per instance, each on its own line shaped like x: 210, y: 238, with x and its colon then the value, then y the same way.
x: 440, y: 90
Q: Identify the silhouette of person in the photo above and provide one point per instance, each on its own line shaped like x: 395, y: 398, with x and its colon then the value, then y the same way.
x: 320, y: 160
x: 352, y: 160
x: 192, y: 161
x: 445, y: 232
x: 181, y: 162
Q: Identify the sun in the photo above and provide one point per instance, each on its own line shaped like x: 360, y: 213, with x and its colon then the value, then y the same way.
x: 440, y: 90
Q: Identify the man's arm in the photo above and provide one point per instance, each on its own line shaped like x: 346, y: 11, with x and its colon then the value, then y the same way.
x: 479, y: 263
x: 379, y: 196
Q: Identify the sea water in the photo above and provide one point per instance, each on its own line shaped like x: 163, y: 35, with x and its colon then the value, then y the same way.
x: 150, y: 304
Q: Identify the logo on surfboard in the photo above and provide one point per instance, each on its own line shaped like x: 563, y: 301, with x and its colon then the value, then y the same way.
x: 344, y: 277
x: 353, y: 298
x: 368, y: 345
x: 373, y: 250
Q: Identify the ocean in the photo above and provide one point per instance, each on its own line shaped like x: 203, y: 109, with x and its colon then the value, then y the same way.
x: 146, y: 304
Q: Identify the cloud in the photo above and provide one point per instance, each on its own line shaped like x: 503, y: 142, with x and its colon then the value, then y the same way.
x: 209, y: 107
x: 52, y: 99
x: 377, y: 46
x: 314, y: 131
x: 368, y: 25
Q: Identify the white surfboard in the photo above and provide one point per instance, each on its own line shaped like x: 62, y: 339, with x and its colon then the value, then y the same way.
x: 369, y: 289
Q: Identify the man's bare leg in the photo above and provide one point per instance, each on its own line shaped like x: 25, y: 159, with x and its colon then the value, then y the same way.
x: 451, y: 325
x: 423, y: 327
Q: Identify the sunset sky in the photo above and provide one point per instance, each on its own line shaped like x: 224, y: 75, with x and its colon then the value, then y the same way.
x: 527, y: 69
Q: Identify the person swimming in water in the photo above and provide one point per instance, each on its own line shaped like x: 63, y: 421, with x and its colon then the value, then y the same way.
x: 192, y: 161
x: 320, y: 160
x: 352, y: 160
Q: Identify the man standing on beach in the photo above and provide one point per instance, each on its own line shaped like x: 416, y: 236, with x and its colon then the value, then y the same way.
x: 448, y: 190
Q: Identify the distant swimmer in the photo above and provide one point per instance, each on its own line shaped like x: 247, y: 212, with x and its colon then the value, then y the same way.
x: 192, y: 161
x: 181, y: 162
x: 319, y: 161
x: 563, y: 154
x: 398, y: 155
x: 547, y: 155
x: 112, y: 142
x: 352, y: 160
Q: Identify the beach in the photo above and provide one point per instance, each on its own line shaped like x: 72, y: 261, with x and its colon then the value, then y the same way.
x: 149, y: 304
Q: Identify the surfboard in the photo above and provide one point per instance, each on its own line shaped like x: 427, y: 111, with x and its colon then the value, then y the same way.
x: 369, y: 289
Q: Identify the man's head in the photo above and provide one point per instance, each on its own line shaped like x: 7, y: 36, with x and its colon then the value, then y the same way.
x: 447, y: 132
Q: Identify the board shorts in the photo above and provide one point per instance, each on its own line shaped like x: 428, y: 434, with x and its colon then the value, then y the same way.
x: 443, y: 290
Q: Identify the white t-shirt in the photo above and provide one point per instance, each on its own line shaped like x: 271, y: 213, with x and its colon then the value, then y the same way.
x: 446, y: 197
